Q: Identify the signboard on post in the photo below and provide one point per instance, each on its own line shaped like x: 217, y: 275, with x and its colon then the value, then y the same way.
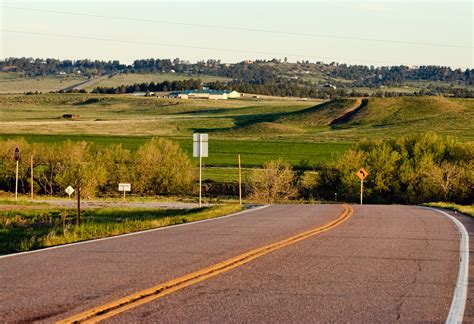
x: 69, y: 190
x: 16, y: 155
x: 200, y: 150
x: 362, y: 174
x: 124, y: 187
x: 200, y: 145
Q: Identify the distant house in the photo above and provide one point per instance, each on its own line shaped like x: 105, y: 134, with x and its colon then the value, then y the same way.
x: 204, y: 94
x: 143, y: 94
x: 329, y: 86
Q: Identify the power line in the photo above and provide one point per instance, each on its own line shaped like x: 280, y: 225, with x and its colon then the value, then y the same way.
x: 193, y: 47
x: 242, y: 28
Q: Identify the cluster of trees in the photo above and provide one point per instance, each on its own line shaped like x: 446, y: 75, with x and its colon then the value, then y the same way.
x: 158, y: 167
x: 40, y: 67
x: 282, y: 88
x: 412, y: 169
x: 365, y: 76
x: 258, y: 72
x: 152, y: 87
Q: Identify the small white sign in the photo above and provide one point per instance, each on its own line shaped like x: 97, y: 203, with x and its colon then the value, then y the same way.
x: 200, y: 145
x: 125, y: 187
x: 69, y: 190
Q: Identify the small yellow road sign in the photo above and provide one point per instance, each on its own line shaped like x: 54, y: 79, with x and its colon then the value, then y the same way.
x: 362, y: 174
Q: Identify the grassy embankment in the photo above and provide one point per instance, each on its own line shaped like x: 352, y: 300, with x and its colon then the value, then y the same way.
x: 465, y: 209
x: 26, y: 229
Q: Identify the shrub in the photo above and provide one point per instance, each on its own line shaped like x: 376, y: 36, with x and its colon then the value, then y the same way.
x: 274, y: 183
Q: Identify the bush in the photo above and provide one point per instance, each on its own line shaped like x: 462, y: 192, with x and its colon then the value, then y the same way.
x: 163, y: 168
x: 412, y: 169
x: 274, y: 183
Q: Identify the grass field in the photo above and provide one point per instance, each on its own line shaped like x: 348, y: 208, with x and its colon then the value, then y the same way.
x: 259, y: 130
x: 15, y: 83
x: 132, y: 78
x: 27, y: 229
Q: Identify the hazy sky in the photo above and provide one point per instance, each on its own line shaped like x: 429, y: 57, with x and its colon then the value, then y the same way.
x: 354, y: 32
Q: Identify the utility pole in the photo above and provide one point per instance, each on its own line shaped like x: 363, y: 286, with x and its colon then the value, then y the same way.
x: 31, y: 177
x: 16, y: 156
x: 240, y: 180
x: 79, y: 180
x: 78, y: 204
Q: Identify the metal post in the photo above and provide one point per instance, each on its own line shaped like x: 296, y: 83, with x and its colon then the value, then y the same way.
x: 361, y: 190
x: 200, y: 170
x: 31, y: 177
x: 16, y: 182
x: 240, y: 181
x: 335, y: 197
x: 79, y: 204
x: 124, y: 195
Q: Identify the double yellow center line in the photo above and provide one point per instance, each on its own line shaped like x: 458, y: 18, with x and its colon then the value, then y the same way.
x: 123, y: 304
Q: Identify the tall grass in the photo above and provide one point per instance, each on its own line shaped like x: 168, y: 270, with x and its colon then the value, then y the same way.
x: 33, y: 229
x: 465, y: 209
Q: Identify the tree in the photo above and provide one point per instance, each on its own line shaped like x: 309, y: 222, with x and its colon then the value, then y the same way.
x: 445, y: 176
x: 163, y: 168
x: 119, y: 165
x: 81, y: 170
x: 274, y: 183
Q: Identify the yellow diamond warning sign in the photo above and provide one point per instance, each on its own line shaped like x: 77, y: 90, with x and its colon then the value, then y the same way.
x: 362, y: 174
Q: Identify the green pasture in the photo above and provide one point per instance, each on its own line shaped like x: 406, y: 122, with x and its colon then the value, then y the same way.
x: 259, y: 130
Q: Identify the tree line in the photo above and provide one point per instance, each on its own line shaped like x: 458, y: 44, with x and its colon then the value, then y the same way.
x: 157, y: 167
x: 256, y: 72
x: 283, y: 88
x: 411, y: 169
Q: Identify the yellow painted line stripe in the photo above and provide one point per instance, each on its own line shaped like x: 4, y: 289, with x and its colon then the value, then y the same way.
x: 123, y: 304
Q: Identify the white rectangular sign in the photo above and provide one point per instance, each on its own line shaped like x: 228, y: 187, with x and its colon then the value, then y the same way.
x: 200, y: 141
x: 125, y: 187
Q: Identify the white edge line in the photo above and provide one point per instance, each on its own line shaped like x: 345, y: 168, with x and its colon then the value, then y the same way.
x: 130, y: 234
x: 456, y: 312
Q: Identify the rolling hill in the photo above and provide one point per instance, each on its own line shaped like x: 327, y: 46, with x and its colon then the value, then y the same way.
x: 374, y: 117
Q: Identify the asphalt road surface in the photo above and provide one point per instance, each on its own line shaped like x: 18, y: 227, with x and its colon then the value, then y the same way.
x: 383, y: 264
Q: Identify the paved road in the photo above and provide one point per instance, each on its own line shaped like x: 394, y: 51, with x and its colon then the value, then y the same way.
x: 384, y: 264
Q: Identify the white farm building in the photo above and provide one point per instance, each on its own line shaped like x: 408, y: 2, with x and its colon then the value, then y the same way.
x: 204, y: 94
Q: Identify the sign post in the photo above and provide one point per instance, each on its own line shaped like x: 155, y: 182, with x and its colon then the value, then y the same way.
x: 240, y: 181
x: 16, y: 156
x: 31, y: 178
x: 69, y: 190
x: 362, y: 174
x: 124, y: 187
x: 200, y: 149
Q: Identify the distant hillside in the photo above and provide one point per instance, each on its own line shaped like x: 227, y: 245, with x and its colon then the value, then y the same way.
x: 386, y: 117
x: 269, y: 77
